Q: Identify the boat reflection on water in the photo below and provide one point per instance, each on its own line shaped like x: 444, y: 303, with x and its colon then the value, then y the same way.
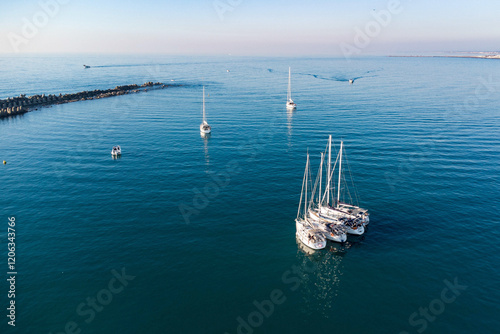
x: 322, y: 271
x: 289, y: 119
x: 206, y: 138
x: 306, y: 250
x: 116, y: 157
x: 331, y: 247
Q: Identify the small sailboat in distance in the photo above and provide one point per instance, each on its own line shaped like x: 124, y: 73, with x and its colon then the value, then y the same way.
x: 204, y: 127
x: 116, y: 151
x: 289, y: 102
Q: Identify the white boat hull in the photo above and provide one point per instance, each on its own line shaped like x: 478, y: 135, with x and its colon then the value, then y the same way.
x: 340, y: 213
x: 291, y: 105
x: 337, y: 237
x: 205, y: 128
x: 356, y: 230
x: 321, y: 224
x: 308, y: 236
x: 116, y: 151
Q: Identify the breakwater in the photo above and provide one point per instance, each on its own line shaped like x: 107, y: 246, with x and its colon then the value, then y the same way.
x: 22, y: 104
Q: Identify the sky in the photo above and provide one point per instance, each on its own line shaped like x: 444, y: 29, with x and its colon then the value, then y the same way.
x: 249, y: 27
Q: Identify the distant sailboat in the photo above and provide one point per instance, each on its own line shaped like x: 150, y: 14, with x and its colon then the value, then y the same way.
x: 204, y: 127
x: 289, y: 102
x: 116, y: 151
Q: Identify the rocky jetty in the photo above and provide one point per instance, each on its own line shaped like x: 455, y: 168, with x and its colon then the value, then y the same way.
x: 22, y: 104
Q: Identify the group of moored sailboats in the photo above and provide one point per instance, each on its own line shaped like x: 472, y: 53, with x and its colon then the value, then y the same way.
x: 326, y: 217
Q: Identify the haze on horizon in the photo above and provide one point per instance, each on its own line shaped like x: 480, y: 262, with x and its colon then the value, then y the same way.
x: 243, y: 27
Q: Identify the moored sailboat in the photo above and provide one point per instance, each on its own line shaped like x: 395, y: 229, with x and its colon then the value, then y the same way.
x: 204, y: 127
x: 332, y: 229
x: 305, y: 231
x: 289, y: 102
x: 352, y: 216
x: 116, y: 151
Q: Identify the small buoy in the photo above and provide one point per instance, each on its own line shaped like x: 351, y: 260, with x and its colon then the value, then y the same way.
x: 4, y: 162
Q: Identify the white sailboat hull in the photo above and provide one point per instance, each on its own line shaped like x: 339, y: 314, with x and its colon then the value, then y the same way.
x: 344, y: 213
x: 116, y: 151
x: 321, y: 224
x: 205, y: 128
x: 351, y: 228
x: 355, y: 211
x: 308, y: 236
x: 356, y: 230
x: 291, y: 105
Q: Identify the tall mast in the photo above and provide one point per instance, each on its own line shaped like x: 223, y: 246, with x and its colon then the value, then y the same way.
x: 307, y: 169
x: 340, y: 173
x: 302, y: 191
x: 320, y: 180
x: 289, y: 95
x: 204, y: 120
x: 329, y: 167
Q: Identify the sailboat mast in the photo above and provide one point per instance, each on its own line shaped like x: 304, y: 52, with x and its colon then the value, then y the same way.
x: 307, y: 169
x: 329, y: 167
x: 340, y: 173
x: 204, y: 120
x: 289, y: 94
x: 302, y: 191
x: 320, y: 180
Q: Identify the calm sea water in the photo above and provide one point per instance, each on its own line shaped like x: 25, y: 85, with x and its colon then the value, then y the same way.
x: 422, y: 139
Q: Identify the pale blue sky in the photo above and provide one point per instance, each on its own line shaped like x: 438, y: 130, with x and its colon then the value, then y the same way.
x: 247, y: 27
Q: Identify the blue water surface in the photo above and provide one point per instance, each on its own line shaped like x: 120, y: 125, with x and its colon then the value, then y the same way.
x: 204, y: 228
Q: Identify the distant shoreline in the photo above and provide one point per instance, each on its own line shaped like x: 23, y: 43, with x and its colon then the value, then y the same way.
x: 476, y: 57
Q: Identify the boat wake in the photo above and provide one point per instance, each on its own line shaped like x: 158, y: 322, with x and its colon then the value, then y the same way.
x: 339, y: 78
x: 147, y: 64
